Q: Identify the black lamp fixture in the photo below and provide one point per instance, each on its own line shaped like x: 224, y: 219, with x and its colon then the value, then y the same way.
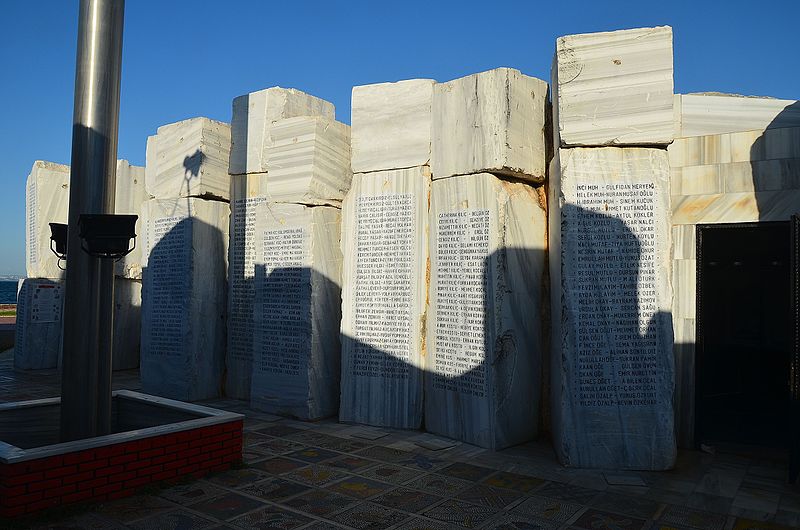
x: 107, y: 235
x: 58, y: 241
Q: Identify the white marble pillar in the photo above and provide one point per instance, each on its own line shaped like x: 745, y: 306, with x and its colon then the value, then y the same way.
x: 296, y: 311
x: 384, y: 296
x: 612, y: 361
x: 184, y: 297
x: 485, y: 318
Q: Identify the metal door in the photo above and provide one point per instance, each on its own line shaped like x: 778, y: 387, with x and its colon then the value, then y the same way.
x: 744, y: 335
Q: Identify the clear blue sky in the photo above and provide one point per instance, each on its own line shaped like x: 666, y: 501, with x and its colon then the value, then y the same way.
x: 186, y: 58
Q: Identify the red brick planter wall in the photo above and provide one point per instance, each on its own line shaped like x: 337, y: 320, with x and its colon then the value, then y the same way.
x: 118, y: 470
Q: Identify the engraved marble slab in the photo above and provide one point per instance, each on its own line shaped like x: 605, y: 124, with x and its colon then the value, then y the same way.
x: 296, y: 310
x: 183, y: 297
x: 46, y: 201
x: 190, y: 159
x: 129, y: 196
x: 392, y: 125
x: 40, y: 305
x: 127, y: 323
x: 385, y: 249
x: 614, y: 88
x: 308, y: 160
x: 704, y: 114
x: 484, y: 321
x: 490, y: 122
x: 255, y: 112
x: 247, y: 191
x: 612, y: 360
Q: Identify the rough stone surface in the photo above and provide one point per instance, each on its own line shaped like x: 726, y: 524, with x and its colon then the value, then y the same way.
x: 490, y: 122
x: 706, y: 114
x: 612, y: 362
x: 297, y: 310
x: 46, y: 201
x: 308, y: 160
x: 40, y: 305
x: 183, y: 297
x: 384, y: 291
x: 190, y: 160
x: 127, y: 323
x: 392, y: 125
x: 484, y: 324
x: 128, y: 199
x: 614, y: 88
x: 254, y: 114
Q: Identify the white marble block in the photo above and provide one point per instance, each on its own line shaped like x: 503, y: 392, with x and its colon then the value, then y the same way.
x: 128, y: 199
x: 308, y: 160
x: 247, y: 191
x: 46, y: 201
x: 488, y: 240
x: 47, y: 195
x: 392, y: 125
x: 297, y: 310
x: 183, y: 297
x: 40, y: 305
x: 490, y: 122
x: 612, y: 362
x: 190, y: 159
x: 614, y: 88
x: 384, y: 295
x: 127, y: 323
x: 706, y: 114
x: 253, y: 115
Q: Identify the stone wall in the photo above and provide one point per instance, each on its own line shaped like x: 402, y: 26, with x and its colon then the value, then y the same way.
x: 732, y: 177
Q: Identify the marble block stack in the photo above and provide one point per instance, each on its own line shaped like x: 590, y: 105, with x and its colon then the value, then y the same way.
x: 184, y: 249
x: 286, y: 223
x: 254, y: 116
x: 385, y: 248
x: 487, y: 245
x: 612, y: 362
x: 47, y: 195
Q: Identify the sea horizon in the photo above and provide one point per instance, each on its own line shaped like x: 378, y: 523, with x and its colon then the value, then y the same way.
x: 8, y: 291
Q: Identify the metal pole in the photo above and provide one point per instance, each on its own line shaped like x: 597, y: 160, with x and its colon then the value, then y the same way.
x: 89, y: 296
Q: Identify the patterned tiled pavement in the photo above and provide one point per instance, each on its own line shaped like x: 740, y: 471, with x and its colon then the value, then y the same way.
x: 329, y: 475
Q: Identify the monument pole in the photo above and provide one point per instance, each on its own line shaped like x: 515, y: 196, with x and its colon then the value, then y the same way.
x: 89, y: 296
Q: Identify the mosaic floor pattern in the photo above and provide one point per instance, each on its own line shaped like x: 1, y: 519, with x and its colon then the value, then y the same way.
x: 321, y: 476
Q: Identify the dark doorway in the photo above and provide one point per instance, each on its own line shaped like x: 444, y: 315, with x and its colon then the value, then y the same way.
x: 744, y: 334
